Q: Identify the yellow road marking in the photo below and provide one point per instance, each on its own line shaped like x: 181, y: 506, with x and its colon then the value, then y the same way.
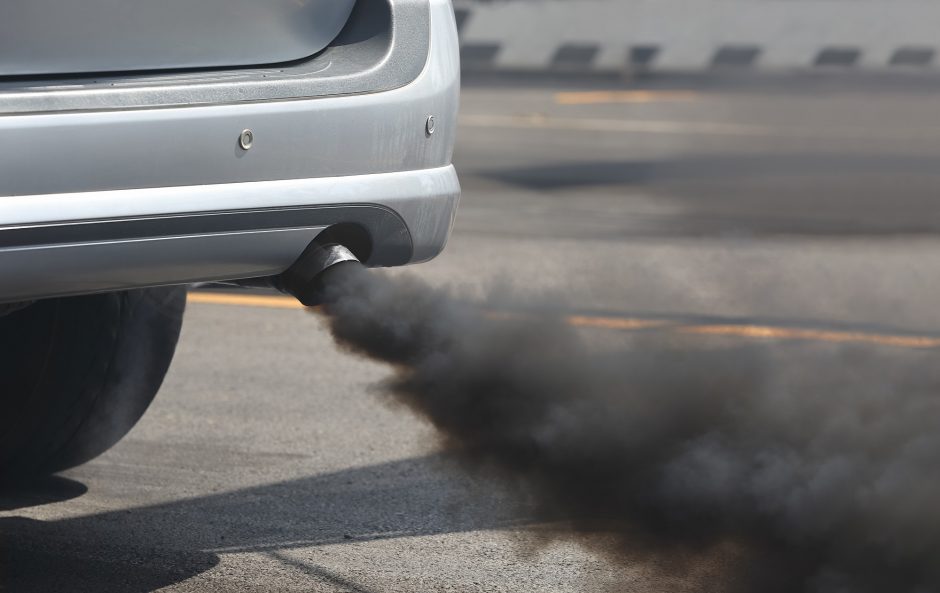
x: 545, y: 122
x: 245, y: 300
x: 796, y: 333
x: 765, y: 332
x: 601, y: 97
x: 625, y: 323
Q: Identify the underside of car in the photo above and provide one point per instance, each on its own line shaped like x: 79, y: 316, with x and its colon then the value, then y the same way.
x: 150, y: 145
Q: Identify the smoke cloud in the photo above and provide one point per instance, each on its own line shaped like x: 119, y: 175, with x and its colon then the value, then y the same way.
x: 792, y: 468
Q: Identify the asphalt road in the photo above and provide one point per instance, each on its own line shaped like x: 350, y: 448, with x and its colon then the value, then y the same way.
x: 805, y: 214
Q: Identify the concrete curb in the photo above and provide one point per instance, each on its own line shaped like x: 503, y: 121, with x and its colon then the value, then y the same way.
x: 697, y: 35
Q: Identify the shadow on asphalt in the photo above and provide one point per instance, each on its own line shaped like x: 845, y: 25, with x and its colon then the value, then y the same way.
x: 45, y: 490
x: 565, y: 175
x: 731, y: 194
x: 143, y: 549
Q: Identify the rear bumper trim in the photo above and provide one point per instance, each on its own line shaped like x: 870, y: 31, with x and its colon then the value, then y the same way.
x: 146, y: 237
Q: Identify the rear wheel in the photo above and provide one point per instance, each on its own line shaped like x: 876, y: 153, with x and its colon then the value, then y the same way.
x: 77, y: 373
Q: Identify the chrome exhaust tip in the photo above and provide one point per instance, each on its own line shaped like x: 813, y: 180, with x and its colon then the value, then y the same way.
x: 305, y: 278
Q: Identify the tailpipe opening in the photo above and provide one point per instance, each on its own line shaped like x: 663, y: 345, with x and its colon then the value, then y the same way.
x: 308, y: 278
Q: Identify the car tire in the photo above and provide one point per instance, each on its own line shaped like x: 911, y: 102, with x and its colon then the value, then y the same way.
x: 77, y: 373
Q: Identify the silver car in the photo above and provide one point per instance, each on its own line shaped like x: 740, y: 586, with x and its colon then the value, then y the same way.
x: 146, y: 145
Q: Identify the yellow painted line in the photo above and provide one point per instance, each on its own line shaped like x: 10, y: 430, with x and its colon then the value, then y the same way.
x: 765, y: 332
x: 244, y: 300
x: 546, y: 122
x: 795, y: 333
x: 623, y: 323
x: 602, y: 97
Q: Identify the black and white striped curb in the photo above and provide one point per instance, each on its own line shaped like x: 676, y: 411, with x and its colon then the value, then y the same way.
x: 692, y: 35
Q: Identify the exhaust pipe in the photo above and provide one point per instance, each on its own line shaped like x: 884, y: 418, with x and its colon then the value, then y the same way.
x: 305, y: 279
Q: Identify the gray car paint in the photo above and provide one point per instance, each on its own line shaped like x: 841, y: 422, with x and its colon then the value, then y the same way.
x: 68, y: 36
x: 321, y: 137
x: 370, y: 148
x: 383, y: 46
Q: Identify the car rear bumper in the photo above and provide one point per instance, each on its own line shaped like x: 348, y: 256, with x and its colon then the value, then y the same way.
x: 106, y: 199
x: 145, y: 237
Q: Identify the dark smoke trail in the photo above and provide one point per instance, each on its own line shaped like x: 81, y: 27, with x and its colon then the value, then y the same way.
x: 711, y: 464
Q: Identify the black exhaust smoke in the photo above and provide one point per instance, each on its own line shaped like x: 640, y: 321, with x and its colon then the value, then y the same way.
x: 712, y: 465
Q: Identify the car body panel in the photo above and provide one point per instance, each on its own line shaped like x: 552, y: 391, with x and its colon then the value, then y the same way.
x: 383, y: 46
x: 43, y: 37
x: 330, y: 136
x: 87, y: 173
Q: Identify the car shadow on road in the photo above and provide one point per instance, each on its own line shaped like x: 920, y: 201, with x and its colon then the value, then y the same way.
x: 144, y: 549
x: 37, y: 492
x: 727, y: 194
